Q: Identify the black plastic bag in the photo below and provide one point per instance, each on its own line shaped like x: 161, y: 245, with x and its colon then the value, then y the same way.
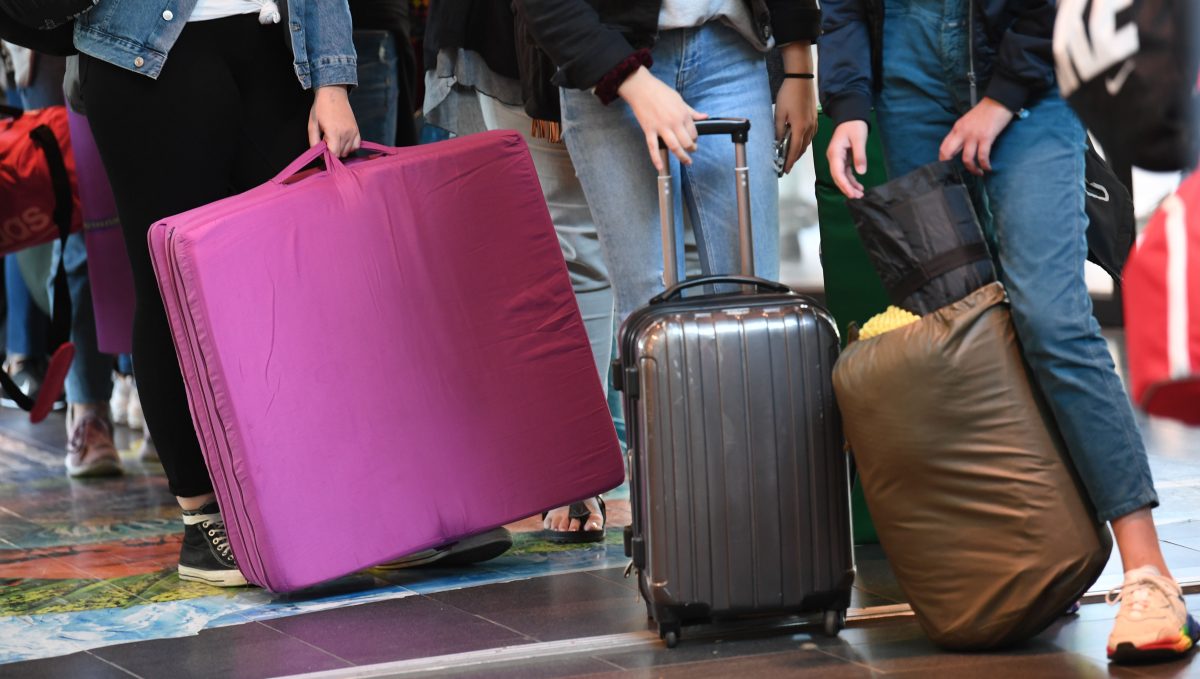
x: 59, y: 41
x: 1112, y: 226
x: 923, y: 237
x: 45, y: 14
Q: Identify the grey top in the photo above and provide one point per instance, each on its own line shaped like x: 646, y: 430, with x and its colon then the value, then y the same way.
x: 692, y: 13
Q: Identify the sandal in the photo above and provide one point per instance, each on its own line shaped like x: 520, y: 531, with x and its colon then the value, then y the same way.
x: 580, y: 511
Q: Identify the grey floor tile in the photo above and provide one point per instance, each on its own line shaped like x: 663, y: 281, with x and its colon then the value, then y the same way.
x: 552, y: 668
x: 616, y: 575
x: 1043, y: 666
x: 861, y: 598
x: 1180, y: 533
x: 803, y: 663
x: 412, y: 627
x: 705, y: 645
x: 913, y: 653
x: 249, y: 651
x: 74, y: 666
x: 555, y: 607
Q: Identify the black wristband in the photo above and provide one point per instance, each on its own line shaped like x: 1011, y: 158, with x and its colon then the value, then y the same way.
x: 803, y: 76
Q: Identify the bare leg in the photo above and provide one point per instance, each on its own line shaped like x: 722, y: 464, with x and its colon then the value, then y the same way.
x: 193, y: 503
x: 1137, y: 540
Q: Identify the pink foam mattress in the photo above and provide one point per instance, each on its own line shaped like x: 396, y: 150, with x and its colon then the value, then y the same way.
x: 383, y: 356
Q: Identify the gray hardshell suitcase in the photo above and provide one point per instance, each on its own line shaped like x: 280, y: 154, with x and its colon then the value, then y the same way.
x: 738, y: 475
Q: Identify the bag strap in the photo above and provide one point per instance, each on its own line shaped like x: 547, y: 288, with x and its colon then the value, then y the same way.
x: 920, y: 275
x: 64, y: 207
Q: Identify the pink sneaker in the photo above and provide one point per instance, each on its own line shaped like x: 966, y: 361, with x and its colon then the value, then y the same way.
x: 90, y: 449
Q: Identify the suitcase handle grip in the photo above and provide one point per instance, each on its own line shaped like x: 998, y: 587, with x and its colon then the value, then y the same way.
x: 759, y: 283
x: 737, y: 128
x: 332, y: 163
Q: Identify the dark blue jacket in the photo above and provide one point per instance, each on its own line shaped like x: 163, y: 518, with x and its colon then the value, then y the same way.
x: 1014, y: 61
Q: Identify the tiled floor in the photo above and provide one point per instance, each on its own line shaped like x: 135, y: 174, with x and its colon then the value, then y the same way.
x: 87, y: 590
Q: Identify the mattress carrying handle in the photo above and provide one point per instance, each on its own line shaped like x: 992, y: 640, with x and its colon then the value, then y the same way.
x: 332, y: 163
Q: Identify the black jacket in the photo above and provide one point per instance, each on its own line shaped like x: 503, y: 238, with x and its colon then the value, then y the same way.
x: 588, y: 38
x: 1014, y: 60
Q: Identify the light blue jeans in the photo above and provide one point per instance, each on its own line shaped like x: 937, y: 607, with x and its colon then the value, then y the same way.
x: 90, y: 377
x: 1034, y: 200
x: 719, y: 73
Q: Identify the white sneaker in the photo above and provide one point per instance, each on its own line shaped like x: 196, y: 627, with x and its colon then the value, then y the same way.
x: 119, y: 403
x: 1153, y: 622
x: 133, y: 413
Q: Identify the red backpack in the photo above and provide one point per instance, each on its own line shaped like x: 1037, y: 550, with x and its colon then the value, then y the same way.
x: 39, y: 203
x: 1162, y: 309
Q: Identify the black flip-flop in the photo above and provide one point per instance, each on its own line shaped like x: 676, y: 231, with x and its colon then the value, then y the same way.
x: 577, y: 510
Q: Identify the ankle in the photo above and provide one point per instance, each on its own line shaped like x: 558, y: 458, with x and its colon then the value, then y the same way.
x: 191, y: 504
x: 79, y: 410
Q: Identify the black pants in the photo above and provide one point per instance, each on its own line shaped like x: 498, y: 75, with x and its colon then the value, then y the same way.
x: 227, y: 113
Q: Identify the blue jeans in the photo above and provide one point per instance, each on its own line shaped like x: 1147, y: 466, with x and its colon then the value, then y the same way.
x: 717, y: 72
x: 376, y: 100
x: 1033, y: 201
x: 27, y: 324
x: 90, y: 377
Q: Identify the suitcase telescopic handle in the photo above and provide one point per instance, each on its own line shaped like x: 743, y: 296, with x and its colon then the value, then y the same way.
x: 739, y: 130
x: 760, y: 283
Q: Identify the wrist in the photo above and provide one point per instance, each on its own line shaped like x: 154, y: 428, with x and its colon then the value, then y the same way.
x: 338, y: 91
x: 608, y: 89
x: 797, y: 57
x: 632, y: 82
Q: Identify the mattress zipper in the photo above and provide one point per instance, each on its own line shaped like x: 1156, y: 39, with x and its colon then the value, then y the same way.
x: 195, y: 355
x: 251, y: 559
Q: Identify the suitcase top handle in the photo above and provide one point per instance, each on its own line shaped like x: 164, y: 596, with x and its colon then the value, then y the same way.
x: 332, y: 163
x: 739, y: 130
x: 759, y: 283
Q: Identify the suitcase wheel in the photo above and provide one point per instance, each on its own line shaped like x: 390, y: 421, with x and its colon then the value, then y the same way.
x: 669, y: 633
x: 671, y: 638
x: 835, y: 621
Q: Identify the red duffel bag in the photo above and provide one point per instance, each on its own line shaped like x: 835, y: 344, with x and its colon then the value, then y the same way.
x: 28, y: 195
x: 1162, y: 309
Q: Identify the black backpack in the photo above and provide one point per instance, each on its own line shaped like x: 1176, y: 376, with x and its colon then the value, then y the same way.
x: 45, y: 14
x: 1130, y: 75
x: 45, y: 26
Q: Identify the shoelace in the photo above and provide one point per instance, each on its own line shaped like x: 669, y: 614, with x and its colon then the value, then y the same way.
x: 1138, y: 596
x: 218, y: 536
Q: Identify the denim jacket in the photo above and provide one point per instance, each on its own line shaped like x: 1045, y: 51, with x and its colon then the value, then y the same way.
x: 138, y: 34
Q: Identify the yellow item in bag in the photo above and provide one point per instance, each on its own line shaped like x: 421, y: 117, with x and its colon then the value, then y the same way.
x: 891, y: 319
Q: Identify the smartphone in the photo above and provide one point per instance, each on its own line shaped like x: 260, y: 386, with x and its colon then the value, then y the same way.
x: 781, y: 149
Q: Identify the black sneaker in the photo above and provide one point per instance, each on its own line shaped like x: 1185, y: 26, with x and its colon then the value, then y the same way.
x: 206, y: 556
x: 481, y: 547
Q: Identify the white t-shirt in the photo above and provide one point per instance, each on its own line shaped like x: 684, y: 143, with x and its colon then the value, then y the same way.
x: 219, y: 9
x: 693, y: 13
